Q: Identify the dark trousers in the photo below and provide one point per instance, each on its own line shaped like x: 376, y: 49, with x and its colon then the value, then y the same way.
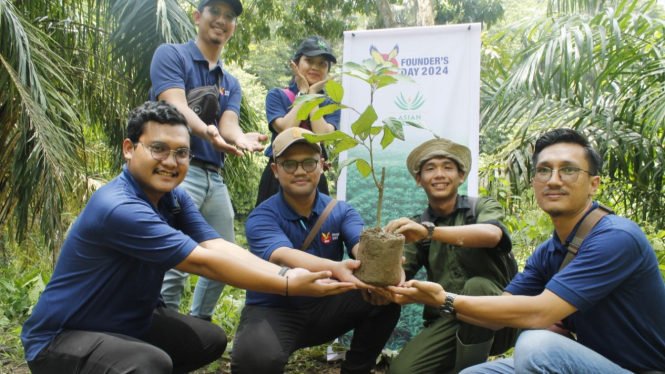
x: 175, y: 343
x: 269, y: 185
x: 267, y: 336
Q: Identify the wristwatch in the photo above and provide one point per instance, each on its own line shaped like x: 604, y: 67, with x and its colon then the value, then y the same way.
x: 447, y: 309
x: 430, y: 229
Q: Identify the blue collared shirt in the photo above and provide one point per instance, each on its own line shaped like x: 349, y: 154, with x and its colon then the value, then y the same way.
x: 275, y: 224
x: 109, y: 274
x: 183, y: 66
x: 615, y: 284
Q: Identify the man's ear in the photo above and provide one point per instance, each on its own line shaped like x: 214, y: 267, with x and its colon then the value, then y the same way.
x: 418, y: 180
x: 128, y: 149
x: 197, y: 17
x: 462, y: 177
x: 595, y: 183
x: 273, y: 167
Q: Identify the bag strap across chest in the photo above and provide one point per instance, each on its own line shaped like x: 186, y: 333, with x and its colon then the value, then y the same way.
x: 585, y: 228
x: 319, y: 223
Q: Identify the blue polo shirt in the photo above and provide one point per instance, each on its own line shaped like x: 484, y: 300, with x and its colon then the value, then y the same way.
x: 615, y: 284
x: 110, y: 270
x: 275, y: 224
x: 183, y: 66
x: 278, y: 105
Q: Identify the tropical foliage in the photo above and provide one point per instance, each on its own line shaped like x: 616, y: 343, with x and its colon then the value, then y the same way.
x: 599, y: 72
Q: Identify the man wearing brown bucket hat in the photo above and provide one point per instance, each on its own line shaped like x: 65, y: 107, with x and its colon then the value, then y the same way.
x: 272, y: 328
x: 463, y: 245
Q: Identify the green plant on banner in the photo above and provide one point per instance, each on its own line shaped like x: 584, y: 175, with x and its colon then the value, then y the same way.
x: 365, y: 129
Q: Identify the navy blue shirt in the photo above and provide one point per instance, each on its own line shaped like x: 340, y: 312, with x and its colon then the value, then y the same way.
x: 275, y: 224
x: 615, y: 284
x: 183, y: 66
x: 278, y: 105
x: 110, y: 270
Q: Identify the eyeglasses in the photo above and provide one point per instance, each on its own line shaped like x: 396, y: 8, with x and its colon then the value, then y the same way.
x: 216, y: 12
x: 290, y: 166
x: 567, y: 174
x: 161, y: 152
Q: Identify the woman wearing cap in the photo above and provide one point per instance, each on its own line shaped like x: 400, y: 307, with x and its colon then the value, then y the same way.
x: 310, y: 64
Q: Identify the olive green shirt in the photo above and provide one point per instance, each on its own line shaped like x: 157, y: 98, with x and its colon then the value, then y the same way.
x: 451, y: 265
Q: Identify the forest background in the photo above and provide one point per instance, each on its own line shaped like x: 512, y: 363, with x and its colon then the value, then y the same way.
x: 71, y: 70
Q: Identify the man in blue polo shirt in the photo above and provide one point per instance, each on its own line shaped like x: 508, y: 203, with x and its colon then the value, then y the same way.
x: 611, y: 295
x: 175, y: 70
x: 272, y: 328
x: 100, y: 312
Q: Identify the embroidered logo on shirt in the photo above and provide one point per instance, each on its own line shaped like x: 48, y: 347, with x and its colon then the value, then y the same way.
x: 326, y: 238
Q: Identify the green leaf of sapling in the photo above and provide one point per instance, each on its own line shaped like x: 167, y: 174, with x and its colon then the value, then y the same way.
x: 363, y: 167
x: 335, y: 91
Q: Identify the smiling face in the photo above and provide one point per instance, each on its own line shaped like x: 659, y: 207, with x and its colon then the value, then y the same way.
x: 559, y: 199
x: 157, y: 177
x: 216, y: 22
x: 315, y: 69
x: 300, y: 184
x: 440, y: 178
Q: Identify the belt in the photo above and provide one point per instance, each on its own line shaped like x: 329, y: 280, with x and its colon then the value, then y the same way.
x: 205, y: 166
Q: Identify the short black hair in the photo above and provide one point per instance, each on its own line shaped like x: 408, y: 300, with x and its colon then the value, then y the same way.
x: 568, y: 136
x: 157, y: 111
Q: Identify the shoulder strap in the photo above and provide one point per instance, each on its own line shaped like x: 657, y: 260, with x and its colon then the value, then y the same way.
x: 289, y: 94
x: 470, y: 216
x: 587, y: 224
x: 319, y: 223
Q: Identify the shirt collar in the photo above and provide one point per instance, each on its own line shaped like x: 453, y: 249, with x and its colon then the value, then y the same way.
x: 290, y: 214
x: 555, y: 238
x: 198, y: 56
x: 166, y: 203
x: 461, y: 203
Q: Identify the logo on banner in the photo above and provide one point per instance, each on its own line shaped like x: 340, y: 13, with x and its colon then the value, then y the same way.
x: 409, y: 103
x: 326, y: 238
x: 384, y: 59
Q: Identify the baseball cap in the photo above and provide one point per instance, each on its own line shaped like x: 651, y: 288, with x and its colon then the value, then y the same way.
x: 290, y: 137
x: 439, y: 148
x: 235, y: 4
x: 315, y: 46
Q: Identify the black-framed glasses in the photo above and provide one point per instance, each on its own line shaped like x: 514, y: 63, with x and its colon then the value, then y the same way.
x: 567, y: 174
x: 216, y: 12
x: 161, y: 151
x: 290, y: 166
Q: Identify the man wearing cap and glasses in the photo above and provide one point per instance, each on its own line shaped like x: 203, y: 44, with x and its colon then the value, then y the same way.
x: 272, y: 328
x: 100, y: 312
x: 462, y: 256
x: 176, y: 70
x: 611, y: 294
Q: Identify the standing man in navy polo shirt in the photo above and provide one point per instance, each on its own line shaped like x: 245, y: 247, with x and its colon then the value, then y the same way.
x: 100, y: 312
x: 272, y: 328
x: 176, y: 69
x: 611, y: 295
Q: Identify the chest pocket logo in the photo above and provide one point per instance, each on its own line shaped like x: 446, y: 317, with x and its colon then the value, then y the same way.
x: 326, y: 238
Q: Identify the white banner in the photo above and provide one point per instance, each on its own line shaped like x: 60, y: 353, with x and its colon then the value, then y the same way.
x: 445, y: 63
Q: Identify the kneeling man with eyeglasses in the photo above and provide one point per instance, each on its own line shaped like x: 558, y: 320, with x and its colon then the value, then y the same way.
x: 611, y: 294
x: 272, y: 327
x: 101, y: 312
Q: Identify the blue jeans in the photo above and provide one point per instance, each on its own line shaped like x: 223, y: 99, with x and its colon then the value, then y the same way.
x: 543, y: 351
x: 211, y: 196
